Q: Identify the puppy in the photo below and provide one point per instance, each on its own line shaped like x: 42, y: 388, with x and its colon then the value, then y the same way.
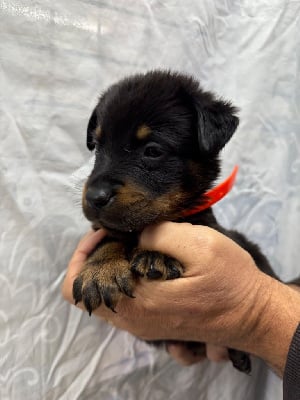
x: 157, y: 138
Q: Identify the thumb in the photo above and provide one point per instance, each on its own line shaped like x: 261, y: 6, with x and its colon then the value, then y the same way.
x: 182, y: 241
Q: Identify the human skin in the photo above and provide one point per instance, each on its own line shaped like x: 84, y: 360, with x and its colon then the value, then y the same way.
x: 223, y: 299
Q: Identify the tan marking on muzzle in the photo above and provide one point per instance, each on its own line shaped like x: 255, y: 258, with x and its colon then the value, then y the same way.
x: 98, y: 132
x: 131, y: 193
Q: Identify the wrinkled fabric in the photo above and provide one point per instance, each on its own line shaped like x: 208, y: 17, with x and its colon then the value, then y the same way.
x: 56, y: 58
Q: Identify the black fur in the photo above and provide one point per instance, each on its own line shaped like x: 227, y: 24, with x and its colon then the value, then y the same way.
x: 137, y: 181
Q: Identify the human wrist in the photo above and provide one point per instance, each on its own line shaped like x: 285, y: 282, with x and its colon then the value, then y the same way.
x: 273, y: 321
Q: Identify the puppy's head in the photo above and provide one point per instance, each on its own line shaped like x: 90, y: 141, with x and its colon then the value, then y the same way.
x: 157, y: 138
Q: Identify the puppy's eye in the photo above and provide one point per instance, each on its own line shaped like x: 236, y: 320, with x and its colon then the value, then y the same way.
x: 153, y: 150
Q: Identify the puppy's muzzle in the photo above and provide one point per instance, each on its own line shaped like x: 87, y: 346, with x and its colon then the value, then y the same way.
x: 101, y: 195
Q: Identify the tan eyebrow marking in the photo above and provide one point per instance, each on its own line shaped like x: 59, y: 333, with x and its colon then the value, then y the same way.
x: 142, y: 132
x: 98, y: 132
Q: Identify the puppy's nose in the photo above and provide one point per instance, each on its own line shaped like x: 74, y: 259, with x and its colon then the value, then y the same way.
x: 98, y: 197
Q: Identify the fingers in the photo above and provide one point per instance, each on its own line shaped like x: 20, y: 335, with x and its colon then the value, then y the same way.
x: 216, y: 353
x: 87, y: 245
x: 185, y: 356
x: 84, y: 248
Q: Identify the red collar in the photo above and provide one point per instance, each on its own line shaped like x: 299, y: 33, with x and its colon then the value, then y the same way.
x: 214, y: 195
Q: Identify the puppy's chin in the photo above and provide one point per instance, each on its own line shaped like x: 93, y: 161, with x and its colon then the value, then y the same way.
x: 118, y: 228
x: 120, y: 221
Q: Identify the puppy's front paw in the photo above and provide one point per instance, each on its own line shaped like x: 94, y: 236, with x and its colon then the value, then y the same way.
x: 154, y: 265
x: 103, y: 283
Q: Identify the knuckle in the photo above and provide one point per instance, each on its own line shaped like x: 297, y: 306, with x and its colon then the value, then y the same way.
x: 149, y: 305
x: 207, y: 240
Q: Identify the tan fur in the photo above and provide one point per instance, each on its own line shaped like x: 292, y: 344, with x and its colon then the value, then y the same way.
x: 98, y: 132
x: 130, y: 193
x: 110, y: 269
x: 168, y: 203
x: 143, y: 132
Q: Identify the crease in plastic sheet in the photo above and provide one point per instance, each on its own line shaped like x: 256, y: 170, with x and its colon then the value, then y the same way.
x: 56, y: 58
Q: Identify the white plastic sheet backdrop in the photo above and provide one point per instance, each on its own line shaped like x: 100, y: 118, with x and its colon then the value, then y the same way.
x: 56, y: 58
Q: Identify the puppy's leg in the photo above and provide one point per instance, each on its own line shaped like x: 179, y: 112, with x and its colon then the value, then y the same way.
x: 105, y: 277
x: 154, y: 265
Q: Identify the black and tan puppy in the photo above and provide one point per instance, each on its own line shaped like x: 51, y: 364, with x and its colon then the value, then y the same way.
x: 157, y: 138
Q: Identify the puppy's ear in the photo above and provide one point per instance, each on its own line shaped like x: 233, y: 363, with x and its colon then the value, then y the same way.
x: 216, y: 124
x: 92, y: 125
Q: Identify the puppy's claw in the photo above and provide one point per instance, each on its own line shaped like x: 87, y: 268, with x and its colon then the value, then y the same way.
x: 88, y: 307
x: 173, y: 272
x: 77, y: 286
x: 91, y: 294
x: 154, y: 273
x: 174, y: 268
x: 124, y: 286
x: 128, y: 293
x: 108, y: 301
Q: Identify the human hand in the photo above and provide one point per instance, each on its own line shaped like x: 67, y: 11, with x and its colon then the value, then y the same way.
x: 222, y: 299
x: 177, y: 350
